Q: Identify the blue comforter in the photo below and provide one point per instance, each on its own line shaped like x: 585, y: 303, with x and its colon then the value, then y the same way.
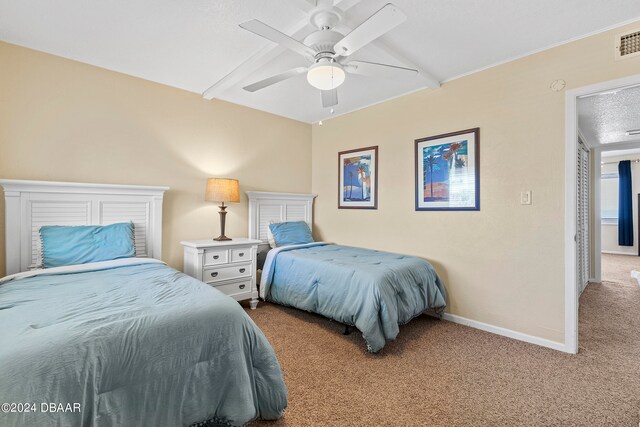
x: 372, y: 290
x: 136, y: 345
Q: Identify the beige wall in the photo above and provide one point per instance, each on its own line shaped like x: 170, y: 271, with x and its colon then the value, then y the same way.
x: 66, y: 121
x: 62, y: 120
x: 609, y: 234
x: 503, y: 265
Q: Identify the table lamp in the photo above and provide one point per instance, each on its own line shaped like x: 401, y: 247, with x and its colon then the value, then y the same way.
x: 222, y: 190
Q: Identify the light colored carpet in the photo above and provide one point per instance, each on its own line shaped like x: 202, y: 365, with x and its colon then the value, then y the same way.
x: 441, y: 374
x: 617, y: 268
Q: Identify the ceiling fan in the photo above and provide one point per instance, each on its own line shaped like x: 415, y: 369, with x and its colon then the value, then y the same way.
x: 329, y: 51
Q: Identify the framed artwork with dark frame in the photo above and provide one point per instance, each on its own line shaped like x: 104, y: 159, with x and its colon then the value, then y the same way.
x: 448, y: 172
x: 358, y: 178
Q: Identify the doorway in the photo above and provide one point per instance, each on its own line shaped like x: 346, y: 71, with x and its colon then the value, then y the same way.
x: 585, y: 144
x: 618, y: 261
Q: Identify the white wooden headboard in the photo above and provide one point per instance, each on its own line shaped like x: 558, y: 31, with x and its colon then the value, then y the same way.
x: 32, y: 204
x: 265, y: 207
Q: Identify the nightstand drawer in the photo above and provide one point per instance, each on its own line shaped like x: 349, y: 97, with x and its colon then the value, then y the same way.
x: 236, y: 288
x: 219, y: 274
x: 213, y: 257
x: 242, y: 254
x: 229, y: 265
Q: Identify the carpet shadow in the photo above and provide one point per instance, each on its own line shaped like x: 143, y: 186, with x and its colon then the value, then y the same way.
x: 415, y: 330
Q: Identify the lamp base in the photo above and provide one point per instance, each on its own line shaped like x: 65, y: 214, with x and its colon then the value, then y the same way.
x: 223, y: 214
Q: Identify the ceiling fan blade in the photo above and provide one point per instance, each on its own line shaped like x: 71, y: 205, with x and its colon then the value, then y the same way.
x: 379, y: 70
x: 270, y: 33
x: 274, y: 79
x: 378, y: 24
x: 329, y: 98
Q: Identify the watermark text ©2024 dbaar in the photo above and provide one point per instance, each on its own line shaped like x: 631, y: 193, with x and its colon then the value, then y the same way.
x: 49, y: 407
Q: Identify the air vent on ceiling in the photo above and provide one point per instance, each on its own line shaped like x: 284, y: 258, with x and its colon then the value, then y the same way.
x: 628, y: 45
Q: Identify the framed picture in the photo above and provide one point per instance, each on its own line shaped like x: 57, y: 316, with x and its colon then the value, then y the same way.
x: 448, y: 172
x: 358, y: 178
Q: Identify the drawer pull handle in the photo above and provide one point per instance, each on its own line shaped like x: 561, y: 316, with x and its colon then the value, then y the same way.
x: 214, y: 274
x: 242, y: 270
x: 241, y: 254
x: 241, y: 286
x: 216, y: 256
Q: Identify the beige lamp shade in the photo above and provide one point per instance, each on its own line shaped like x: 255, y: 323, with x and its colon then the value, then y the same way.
x: 222, y: 190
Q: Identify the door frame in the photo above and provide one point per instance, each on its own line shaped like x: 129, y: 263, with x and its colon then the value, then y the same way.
x: 570, y: 203
x: 597, y: 198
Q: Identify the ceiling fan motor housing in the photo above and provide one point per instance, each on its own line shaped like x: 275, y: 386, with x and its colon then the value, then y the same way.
x: 323, y: 42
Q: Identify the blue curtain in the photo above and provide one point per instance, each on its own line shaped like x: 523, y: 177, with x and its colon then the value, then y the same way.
x: 625, y: 207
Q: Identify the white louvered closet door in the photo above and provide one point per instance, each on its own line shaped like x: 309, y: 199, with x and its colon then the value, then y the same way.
x: 582, y: 232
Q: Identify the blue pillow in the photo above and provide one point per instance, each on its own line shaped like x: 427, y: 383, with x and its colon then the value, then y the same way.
x: 291, y: 233
x: 69, y: 245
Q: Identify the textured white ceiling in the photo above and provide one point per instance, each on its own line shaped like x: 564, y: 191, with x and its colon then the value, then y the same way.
x: 605, y: 118
x: 193, y: 44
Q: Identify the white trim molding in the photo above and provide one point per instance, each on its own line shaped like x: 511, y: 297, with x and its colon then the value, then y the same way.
x: 570, y: 220
x: 505, y: 332
x: 596, y: 216
x: 619, y: 253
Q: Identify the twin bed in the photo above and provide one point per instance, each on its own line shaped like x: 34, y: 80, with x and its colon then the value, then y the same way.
x: 132, y: 341
x: 128, y: 342
x: 373, y: 291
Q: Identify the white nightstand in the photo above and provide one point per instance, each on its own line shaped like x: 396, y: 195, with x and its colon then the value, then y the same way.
x: 229, y: 266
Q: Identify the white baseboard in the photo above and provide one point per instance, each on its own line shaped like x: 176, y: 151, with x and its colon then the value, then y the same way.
x: 505, y: 332
x: 619, y: 253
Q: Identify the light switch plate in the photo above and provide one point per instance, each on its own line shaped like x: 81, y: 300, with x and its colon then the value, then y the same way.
x: 525, y: 197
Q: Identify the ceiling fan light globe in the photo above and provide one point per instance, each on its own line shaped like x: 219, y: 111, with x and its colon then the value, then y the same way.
x: 326, y: 76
